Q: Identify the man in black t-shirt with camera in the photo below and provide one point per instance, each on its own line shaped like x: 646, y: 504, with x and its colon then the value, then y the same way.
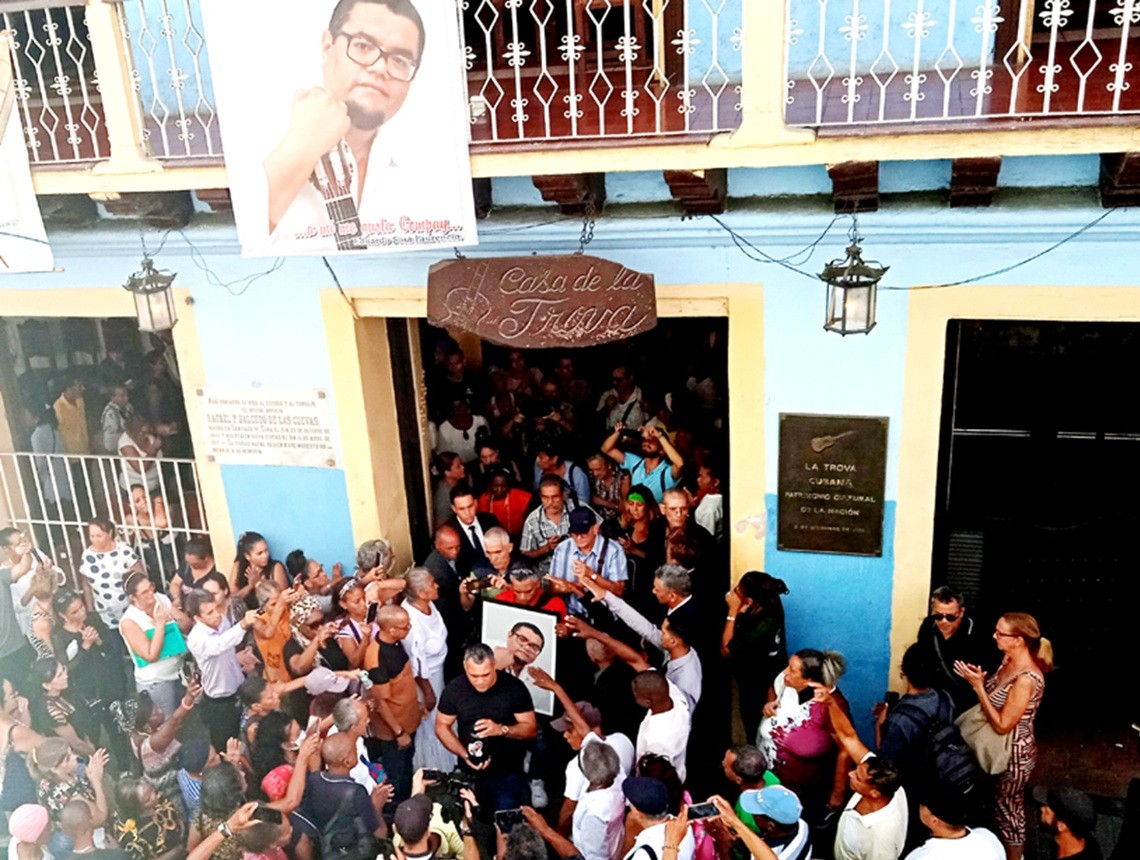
x: 486, y: 717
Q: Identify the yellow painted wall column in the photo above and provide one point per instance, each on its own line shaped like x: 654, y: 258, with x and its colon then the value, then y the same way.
x: 369, y: 434
x: 746, y: 480
x: 188, y: 348
x: 116, y: 85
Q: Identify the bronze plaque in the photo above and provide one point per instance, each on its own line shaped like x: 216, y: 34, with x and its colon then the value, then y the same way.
x: 833, y: 473
x: 535, y: 302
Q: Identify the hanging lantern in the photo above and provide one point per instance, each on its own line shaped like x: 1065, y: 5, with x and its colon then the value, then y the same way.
x: 851, y: 287
x: 154, y: 298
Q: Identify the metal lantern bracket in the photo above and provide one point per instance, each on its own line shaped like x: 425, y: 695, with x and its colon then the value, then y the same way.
x: 154, y: 297
x: 851, y: 285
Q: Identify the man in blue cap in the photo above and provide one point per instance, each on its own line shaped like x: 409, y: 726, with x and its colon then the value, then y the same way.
x: 648, y: 801
x: 776, y: 811
x: 587, y: 556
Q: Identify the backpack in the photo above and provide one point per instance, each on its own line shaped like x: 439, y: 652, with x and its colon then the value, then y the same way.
x: 345, y: 836
x: 944, y: 755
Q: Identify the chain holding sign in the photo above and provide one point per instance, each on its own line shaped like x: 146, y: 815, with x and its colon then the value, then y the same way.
x: 538, y: 302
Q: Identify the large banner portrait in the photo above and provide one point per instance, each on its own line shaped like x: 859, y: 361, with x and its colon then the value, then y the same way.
x: 522, y: 637
x: 343, y: 123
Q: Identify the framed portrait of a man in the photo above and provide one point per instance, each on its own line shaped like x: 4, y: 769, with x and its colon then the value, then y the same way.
x: 343, y: 123
x: 522, y: 637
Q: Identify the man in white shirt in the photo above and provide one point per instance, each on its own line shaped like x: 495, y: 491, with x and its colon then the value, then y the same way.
x: 665, y: 729
x: 212, y: 641
x: 621, y: 404
x: 950, y: 838
x: 648, y: 812
x: 351, y: 717
x: 874, y: 823
x: 776, y: 811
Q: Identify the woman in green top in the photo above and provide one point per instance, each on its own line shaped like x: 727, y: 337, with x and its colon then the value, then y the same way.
x: 754, y: 641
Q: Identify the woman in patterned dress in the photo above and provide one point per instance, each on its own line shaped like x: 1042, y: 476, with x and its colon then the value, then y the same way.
x: 1010, y: 698
x: 104, y: 566
x: 147, y: 825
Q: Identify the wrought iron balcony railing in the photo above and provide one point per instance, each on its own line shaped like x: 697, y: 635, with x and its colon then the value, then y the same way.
x: 874, y: 62
x: 546, y: 70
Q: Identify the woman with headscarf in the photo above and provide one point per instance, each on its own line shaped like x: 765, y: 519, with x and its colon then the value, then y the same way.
x: 30, y: 829
x: 311, y: 643
x: 154, y: 737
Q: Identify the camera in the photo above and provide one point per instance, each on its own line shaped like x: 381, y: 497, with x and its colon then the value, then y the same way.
x: 444, y: 790
x: 629, y: 434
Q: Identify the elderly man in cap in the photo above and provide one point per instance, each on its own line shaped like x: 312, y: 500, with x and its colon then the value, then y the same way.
x: 776, y: 811
x: 648, y: 801
x: 1071, y: 819
x: 587, y: 556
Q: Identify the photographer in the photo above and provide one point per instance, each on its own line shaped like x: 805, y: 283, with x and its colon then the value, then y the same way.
x: 426, y: 829
x: 485, y: 717
x: 659, y: 464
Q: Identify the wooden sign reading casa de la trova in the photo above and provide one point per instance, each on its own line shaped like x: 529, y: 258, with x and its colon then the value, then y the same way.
x: 534, y: 302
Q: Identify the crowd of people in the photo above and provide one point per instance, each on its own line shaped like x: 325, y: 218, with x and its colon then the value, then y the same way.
x: 280, y: 710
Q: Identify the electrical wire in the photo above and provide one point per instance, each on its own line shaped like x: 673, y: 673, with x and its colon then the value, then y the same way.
x: 343, y: 294
x: 758, y: 255
x: 1011, y: 267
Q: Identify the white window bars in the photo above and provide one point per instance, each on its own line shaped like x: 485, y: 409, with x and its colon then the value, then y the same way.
x: 545, y: 70
x: 57, y: 94
x: 868, y: 62
x: 54, y: 496
x: 175, y: 96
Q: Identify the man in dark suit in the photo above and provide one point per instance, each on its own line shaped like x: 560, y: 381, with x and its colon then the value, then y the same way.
x: 442, y: 561
x: 676, y: 538
x: 471, y: 526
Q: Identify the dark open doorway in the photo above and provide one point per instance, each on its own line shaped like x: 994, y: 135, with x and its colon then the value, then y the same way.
x: 681, y: 367
x: 1037, y: 506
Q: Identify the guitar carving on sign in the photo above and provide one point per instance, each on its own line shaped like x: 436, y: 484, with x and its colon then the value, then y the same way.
x: 819, y: 444
x: 334, y: 176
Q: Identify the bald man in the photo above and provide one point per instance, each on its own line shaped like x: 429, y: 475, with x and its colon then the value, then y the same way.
x: 396, y: 710
x: 327, y: 790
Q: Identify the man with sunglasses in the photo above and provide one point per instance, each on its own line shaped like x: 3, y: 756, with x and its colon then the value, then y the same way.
x: 370, y: 55
x: 949, y: 634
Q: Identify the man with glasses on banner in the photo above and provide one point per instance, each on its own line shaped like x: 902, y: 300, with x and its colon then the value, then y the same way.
x: 336, y: 161
x: 949, y: 634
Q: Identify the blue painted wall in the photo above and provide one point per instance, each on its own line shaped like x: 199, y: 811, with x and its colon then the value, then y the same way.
x: 841, y: 603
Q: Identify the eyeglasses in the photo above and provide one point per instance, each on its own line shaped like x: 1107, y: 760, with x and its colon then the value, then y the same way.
x: 939, y: 616
x: 366, y: 53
